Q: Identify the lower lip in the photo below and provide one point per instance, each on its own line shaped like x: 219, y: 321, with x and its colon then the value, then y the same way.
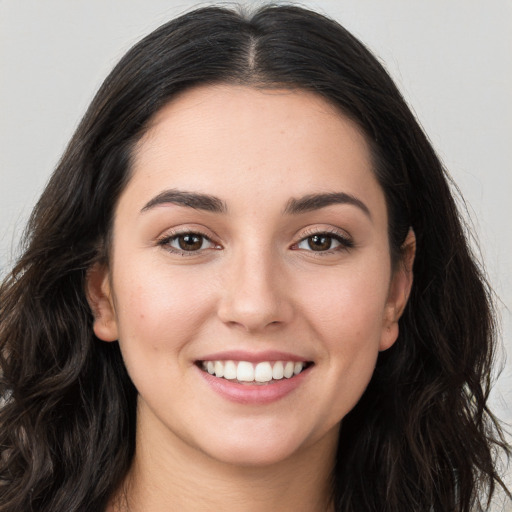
x: 254, y: 393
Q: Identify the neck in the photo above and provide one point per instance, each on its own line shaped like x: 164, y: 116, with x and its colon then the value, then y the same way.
x: 169, y: 475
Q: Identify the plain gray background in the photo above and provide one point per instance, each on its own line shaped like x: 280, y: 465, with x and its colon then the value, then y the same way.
x: 452, y: 60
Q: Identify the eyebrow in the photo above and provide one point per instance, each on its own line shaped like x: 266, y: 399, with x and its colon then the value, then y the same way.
x: 317, y: 201
x: 214, y: 204
x: 194, y: 200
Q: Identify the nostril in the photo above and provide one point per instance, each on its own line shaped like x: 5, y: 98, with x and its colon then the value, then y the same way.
x: 253, y: 312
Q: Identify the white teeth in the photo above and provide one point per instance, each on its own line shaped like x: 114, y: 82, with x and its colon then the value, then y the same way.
x: 263, y: 372
x: 219, y: 369
x: 288, y: 369
x: 229, y: 370
x: 278, y: 371
x: 244, y: 371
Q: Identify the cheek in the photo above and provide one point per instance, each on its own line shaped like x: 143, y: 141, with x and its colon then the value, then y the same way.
x: 158, y: 309
x: 347, y: 317
x: 350, y: 305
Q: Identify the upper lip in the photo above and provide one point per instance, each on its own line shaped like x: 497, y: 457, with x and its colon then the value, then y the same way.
x: 253, y: 357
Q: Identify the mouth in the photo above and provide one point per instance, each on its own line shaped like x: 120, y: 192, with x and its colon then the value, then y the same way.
x: 253, y: 373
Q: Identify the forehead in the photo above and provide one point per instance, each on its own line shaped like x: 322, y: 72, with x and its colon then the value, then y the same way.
x: 223, y: 139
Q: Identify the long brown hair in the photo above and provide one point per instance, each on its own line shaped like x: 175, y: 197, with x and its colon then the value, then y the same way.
x: 420, y: 439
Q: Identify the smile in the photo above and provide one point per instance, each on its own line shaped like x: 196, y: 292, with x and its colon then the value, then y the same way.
x: 264, y: 372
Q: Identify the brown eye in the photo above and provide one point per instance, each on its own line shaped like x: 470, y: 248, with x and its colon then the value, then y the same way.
x: 320, y: 242
x: 324, y: 242
x: 190, y: 242
x: 187, y: 243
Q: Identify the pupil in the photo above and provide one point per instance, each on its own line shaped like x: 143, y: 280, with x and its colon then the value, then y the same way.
x: 319, y: 243
x: 190, y: 242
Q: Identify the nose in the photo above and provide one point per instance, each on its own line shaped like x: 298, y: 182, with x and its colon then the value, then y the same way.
x: 255, y: 296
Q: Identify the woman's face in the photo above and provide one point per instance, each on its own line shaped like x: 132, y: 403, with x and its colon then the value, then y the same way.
x: 250, y: 243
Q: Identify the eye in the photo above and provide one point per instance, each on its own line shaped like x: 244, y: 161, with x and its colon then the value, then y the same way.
x: 187, y: 242
x: 324, y: 242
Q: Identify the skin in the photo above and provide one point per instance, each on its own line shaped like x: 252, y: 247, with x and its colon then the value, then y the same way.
x: 255, y: 284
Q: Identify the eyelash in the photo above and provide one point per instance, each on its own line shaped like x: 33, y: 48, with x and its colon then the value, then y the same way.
x: 344, y: 242
x: 169, y: 238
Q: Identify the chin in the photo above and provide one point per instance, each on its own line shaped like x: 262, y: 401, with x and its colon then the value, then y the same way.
x: 253, y: 455
x: 265, y: 447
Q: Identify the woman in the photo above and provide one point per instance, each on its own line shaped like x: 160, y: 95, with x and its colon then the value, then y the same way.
x: 242, y: 290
